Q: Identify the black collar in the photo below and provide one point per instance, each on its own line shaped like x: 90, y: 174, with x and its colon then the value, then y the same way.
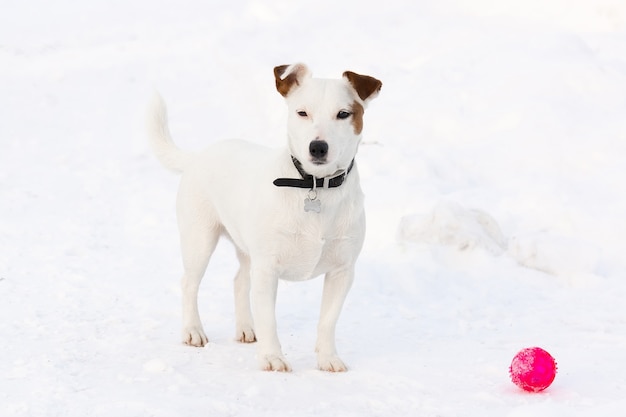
x: 307, y: 179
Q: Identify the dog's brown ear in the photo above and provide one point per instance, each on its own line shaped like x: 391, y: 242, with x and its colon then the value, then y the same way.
x: 365, y: 86
x: 289, y: 76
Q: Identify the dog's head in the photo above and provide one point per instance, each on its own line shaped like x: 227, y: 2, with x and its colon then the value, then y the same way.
x: 325, y: 116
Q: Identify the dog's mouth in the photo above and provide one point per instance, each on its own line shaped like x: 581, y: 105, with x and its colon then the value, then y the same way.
x: 321, y: 168
x: 318, y: 162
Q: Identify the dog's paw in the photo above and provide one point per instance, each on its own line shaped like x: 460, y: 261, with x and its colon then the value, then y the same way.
x: 245, y: 334
x: 194, y: 336
x: 331, y: 363
x: 274, y: 363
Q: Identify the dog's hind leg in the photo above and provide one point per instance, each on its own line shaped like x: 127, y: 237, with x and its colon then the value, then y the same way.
x: 244, y: 331
x: 199, y: 233
x: 196, y: 254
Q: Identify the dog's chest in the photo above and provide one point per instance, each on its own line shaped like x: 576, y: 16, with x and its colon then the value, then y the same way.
x: 307, y: 257
x: 311, y: 250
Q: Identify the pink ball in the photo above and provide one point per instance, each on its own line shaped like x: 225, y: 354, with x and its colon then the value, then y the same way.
x: 533, y: 369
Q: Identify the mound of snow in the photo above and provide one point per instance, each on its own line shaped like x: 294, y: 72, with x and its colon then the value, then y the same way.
x: 451, y: 224
x: 555, y: 254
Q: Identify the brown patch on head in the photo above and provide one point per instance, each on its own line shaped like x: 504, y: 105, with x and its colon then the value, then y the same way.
x: 285, y: 84
x: 357, y: 117
x: 366, y: 87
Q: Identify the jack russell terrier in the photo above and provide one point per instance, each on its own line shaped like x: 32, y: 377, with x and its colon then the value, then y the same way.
x: 293, y: 213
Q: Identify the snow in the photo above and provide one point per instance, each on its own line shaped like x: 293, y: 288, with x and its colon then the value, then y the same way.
x: 493, y: 167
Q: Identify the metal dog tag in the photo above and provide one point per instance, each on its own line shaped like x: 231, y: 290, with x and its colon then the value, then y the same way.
x: 312, y: 205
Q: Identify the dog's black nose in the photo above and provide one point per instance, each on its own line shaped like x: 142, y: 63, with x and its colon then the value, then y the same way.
x: 318, y: 149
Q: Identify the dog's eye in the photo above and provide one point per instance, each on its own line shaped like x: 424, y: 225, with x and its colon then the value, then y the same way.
x: 302, y: 113
x: 343, y: 114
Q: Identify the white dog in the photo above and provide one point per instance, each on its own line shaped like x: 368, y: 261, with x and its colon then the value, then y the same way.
x: 293, y: 213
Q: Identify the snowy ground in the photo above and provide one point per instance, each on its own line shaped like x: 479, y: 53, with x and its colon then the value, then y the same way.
x: 493, y: 166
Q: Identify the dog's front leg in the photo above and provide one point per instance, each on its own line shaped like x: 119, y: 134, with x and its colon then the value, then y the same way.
x: 336, y: 286
x: 264, y: 288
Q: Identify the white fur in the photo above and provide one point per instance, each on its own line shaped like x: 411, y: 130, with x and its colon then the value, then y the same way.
x: 228, y: 190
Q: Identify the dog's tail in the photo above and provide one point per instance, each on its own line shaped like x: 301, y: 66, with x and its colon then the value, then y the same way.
x: 169, y: 155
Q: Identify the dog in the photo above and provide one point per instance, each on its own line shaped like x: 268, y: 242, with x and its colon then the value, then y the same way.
x: 293, y: 213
